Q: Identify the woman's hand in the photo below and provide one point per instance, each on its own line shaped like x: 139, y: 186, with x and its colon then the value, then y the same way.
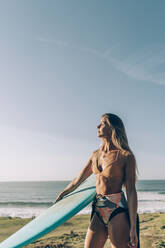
x: 84, y: 174
x: 59, y: 197
x: 133, y: 239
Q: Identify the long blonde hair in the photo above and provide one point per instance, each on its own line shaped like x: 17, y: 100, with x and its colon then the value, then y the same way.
x: 118, y: 136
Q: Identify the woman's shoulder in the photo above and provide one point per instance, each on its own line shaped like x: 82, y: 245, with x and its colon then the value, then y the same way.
x: 95, y: 153
x: 127, y: 154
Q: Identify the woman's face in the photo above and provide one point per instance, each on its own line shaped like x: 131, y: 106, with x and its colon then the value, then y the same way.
x: 103, y: 129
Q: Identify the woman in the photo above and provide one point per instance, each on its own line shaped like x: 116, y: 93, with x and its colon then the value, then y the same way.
x: 115, y: 166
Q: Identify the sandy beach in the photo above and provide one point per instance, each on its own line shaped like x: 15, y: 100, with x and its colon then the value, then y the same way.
x: 72, y: 233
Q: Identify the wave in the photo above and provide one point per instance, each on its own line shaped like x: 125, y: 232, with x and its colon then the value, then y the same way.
x: 26, y: 204
x: 157, y: 200
x: 152, y: 191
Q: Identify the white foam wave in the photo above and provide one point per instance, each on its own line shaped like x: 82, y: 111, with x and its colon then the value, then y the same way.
x: 150, y: 196
x: 21, y: 212
x: 148, y: 202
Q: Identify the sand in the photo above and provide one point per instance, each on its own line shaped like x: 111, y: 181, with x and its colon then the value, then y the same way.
x: 72, y: 233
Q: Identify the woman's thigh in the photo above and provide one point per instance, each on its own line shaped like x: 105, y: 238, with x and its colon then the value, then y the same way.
x: 96, y: 235
x: 118, y: 229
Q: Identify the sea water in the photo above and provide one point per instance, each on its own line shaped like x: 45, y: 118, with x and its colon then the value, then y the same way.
x: 29, y: 199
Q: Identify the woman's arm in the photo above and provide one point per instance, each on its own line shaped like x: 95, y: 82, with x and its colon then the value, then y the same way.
x: 84, y: 174
x: 130, y: 175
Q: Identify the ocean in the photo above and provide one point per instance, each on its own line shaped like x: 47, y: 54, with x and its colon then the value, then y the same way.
x: 29, y: 199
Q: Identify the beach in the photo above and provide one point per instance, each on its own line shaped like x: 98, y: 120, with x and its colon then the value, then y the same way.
x: 72, y: 233
x: 20, y: 202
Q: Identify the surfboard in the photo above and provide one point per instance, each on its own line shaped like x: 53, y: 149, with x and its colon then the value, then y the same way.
x: 53, y: 216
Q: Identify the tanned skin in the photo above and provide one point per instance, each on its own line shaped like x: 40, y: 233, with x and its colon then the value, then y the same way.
x: 118, y: 168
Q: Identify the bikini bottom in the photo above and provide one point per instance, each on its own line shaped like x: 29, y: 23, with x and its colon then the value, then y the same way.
x: 108, y: 206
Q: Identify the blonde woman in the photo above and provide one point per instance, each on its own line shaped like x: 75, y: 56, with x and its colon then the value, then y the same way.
x: 114, y: 166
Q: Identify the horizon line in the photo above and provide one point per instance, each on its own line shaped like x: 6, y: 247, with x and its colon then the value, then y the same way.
x: 59, y: 180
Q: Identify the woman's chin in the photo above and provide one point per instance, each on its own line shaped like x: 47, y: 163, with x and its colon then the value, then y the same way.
x: 99, y: 135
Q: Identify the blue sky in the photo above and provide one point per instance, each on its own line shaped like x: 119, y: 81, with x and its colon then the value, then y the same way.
x: 65, y: 63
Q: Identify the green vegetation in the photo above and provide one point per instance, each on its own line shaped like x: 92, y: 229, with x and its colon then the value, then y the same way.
x: 72, y: 233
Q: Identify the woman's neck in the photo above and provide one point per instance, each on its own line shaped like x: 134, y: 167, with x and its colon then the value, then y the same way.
x: 107, y: 145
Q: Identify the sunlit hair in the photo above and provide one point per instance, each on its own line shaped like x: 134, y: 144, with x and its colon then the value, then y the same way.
x: 118, y: 136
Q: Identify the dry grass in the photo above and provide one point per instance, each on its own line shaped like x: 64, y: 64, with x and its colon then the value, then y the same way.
x: 72, y: 233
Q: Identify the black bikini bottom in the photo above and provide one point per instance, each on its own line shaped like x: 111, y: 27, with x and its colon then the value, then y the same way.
x: 101, y: 203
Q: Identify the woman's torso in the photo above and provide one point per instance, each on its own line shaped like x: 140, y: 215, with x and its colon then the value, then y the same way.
x: 110, y: 170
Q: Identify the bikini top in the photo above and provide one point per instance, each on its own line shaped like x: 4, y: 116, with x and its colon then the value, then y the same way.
x: 106, y: 160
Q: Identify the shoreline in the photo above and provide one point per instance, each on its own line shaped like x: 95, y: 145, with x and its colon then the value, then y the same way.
x: 72, y: 233
x: 78, y: 214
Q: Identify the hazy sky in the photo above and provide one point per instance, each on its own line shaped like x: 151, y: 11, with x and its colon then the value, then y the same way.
x: 62, y: 65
